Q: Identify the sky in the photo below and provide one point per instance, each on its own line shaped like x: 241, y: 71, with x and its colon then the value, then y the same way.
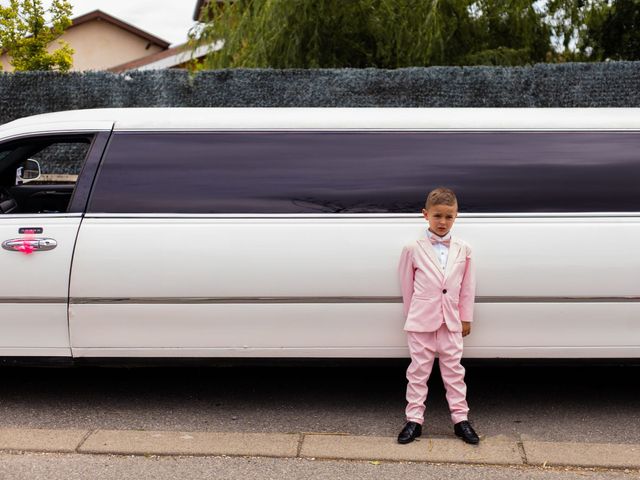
x: 167, y: 19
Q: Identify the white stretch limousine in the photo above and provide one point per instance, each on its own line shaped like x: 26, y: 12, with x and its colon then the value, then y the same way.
x: 277, y: 232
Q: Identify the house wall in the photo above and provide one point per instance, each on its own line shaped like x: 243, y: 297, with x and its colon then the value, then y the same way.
x: 4, y: 61
x: 99, y: 45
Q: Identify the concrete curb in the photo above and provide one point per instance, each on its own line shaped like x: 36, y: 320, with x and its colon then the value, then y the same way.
x: 492, y: 450
x: 28, y: 440
x: 128, y: 442
x: 605, y: 455
x: 448, y: 450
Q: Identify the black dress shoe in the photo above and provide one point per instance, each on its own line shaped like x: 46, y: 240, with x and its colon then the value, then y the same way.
x: 410, y: 432
x: 465, y: 431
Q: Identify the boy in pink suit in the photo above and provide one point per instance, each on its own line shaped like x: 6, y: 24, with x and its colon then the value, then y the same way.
x: 437, y: 279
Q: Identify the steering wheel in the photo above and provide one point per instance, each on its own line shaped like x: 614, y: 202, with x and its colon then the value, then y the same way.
x: 8, y: 204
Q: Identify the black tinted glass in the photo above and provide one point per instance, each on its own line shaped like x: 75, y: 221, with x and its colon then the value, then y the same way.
x: 374, y: 172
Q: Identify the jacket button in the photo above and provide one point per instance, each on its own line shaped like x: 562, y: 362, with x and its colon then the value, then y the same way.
x: 444, y: 291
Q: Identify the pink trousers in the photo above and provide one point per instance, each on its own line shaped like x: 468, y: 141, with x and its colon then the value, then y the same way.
x: 423, y: 347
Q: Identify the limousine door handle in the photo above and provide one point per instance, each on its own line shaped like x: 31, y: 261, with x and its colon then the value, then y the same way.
x: 29, y: 245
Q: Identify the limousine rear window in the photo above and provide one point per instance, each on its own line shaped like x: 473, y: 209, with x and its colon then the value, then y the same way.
x: 367, y: 172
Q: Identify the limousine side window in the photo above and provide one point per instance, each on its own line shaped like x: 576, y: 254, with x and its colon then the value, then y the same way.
x: 367, y: 172
x: 39, y: 175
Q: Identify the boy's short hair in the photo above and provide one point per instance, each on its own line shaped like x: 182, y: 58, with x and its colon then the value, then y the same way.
x: 441, y: 196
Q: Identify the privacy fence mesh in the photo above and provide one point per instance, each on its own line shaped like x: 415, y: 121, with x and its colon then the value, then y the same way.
x: 610, y: 84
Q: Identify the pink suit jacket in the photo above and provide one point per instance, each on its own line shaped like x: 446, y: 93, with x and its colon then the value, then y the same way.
x: 432, y: 294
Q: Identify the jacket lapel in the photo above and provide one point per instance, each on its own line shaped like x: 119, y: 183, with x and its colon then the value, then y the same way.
x: 454, y: 250
x: 426, y: 246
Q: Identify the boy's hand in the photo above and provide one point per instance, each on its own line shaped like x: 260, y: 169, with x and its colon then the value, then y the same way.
x: 466, y: 328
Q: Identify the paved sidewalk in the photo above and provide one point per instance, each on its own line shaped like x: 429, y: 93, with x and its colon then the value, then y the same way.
x: 491, y: 451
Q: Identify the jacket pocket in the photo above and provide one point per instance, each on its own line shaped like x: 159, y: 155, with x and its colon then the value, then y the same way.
x: 420, y: 305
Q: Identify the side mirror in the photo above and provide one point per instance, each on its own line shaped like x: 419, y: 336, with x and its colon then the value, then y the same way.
x: 28, y: 171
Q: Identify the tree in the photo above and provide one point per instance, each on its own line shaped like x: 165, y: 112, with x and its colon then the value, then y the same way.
x: 373, y: 33
x: 25, y: 34
x: 613, y: 31
x: 509, y: 32
x: 570, y: 22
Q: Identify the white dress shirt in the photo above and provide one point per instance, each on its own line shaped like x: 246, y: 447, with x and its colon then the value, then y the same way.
x: 441, y: 249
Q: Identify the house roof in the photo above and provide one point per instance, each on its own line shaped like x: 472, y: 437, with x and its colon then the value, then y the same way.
x: 150, y: 59
x: 165, y: 59
x: 99, y: 15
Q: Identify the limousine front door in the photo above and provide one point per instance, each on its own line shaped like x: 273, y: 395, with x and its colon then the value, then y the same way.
x: 41, y: 201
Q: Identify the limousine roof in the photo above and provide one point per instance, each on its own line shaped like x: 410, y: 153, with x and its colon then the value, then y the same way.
x: 135, y: 119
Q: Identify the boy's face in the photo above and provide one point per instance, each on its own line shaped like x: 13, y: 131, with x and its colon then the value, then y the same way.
x: 440, y: 218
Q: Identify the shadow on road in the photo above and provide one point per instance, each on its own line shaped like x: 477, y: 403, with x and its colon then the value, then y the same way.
x: 548, y: 402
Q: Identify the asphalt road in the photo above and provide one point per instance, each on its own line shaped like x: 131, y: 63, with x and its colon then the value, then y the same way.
x: 553, y: 403
x: 104, y: 467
